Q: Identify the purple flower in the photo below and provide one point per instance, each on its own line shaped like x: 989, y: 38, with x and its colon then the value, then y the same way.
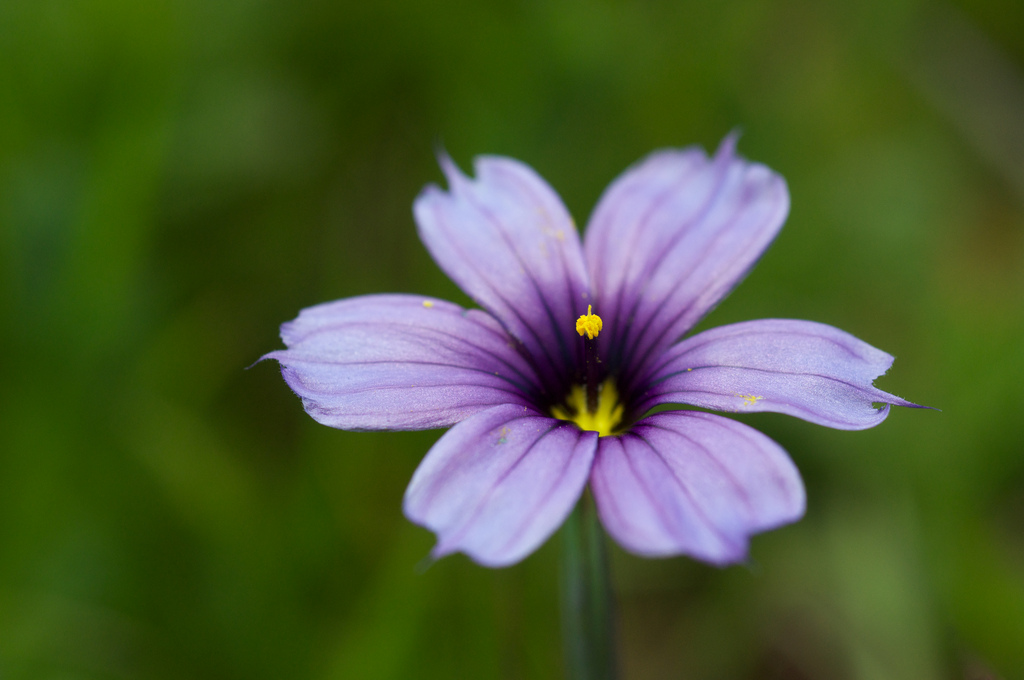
x: 545, y: 397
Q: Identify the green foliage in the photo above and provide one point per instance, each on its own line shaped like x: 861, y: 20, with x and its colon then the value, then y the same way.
x: 179, y: 177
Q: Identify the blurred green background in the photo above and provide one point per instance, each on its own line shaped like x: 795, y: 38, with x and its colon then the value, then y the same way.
x: 178, y: 177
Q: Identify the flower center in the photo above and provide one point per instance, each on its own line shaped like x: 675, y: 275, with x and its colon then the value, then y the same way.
x: 603, y: 420
x: 594, y: 405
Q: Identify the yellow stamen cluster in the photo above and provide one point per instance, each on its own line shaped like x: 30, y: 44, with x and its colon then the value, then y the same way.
x: 603, y: 421
x: 590, y: 324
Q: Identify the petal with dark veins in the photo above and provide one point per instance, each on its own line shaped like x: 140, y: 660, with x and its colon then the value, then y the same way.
x: 507, y: 240
x: 499, y: 484
x: 400, y: 362
x: 670, y: 238
x: 805, y: 369
x: 693, y: 483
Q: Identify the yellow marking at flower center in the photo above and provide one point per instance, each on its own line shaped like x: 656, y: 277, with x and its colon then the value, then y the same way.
x: 428, y: 304
x: 603, y: 421
x: 749, y: 399
x: 590, y: 324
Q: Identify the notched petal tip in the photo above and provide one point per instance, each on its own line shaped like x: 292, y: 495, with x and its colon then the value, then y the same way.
x: 265, y: 357
x: 893, y: 400
x: 445, y: 548
x: 884, y: 362
x: 426, y: 563
x: 809, y: 370
x: 452, y: 173
x: 726, y: 151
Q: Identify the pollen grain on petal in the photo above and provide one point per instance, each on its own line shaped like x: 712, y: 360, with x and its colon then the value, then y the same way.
x: 589, y: 323
x: 428, y: 304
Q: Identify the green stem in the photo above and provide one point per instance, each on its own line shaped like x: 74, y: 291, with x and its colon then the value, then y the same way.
x: 588, y: 627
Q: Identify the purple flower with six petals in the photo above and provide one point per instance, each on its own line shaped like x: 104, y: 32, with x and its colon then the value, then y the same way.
x: 545, y: 397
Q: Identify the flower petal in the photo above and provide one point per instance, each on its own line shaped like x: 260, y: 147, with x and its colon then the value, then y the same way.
x: 670, y: 238
x: 508, y: 241
x: 806, y: 369
x: 400, y: 362
x: 687, y: 482
x: 497, y: 485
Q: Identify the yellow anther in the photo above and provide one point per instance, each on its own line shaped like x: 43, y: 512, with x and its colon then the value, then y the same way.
x: 590, y: 324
